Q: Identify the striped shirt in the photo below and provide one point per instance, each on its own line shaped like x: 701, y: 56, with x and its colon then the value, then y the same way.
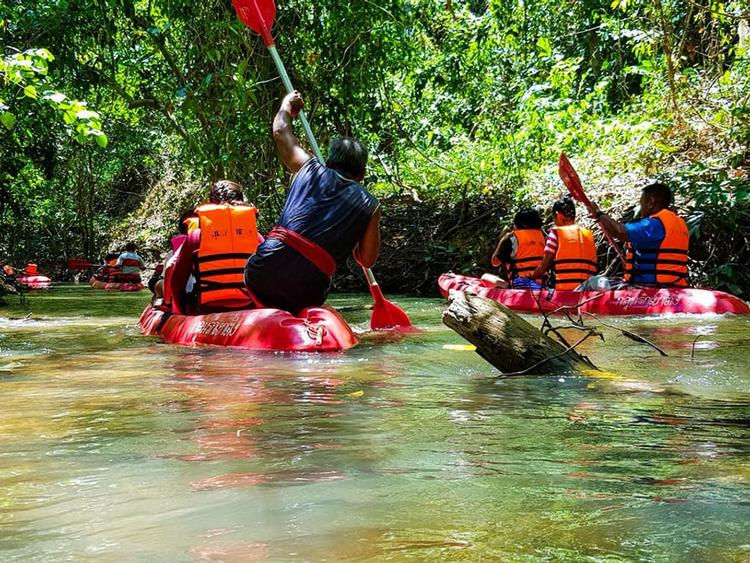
x: 128, y: 261
x: 550, y: 247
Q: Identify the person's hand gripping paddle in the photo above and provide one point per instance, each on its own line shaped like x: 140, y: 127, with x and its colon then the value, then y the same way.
x: 570, y: 178
x: 259, y: 16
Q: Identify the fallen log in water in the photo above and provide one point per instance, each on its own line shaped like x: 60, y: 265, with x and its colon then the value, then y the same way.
x: 507, y: 341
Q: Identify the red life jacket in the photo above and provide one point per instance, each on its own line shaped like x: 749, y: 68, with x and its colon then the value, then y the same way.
x: 575, y: 259
x: 131, y: 263
x: 529, y: 253
x: 670, y: 259
x: 229, y: 235
x: 176, y: 243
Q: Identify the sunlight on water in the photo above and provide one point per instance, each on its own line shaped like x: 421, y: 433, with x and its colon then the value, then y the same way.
x: 117, y: 447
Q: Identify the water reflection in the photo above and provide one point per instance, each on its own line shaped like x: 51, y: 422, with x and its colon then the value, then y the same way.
x: 116, y: 447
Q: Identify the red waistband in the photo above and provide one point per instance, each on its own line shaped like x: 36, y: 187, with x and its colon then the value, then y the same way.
x: 316, y: 254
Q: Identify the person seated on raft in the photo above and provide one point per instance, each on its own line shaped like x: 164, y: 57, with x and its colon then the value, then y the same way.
x: 657, y: 244
x: 156, y: 283
x: 215, y: 253
x: 108, y: 270
x: 130, y: 265
x: 519, y: 253
x: 570, y: 250
x: 327, y: 217
x: 9, y: 271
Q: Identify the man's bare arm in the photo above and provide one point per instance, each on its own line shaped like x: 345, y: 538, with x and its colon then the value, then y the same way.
x: 544, y: 267
x: 367, y: 250
x: 290, y: 151
x: 615, y: 228
x: 495, y: 260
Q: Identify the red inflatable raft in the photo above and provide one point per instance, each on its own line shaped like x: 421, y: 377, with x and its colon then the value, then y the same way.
x: 318, y: 329
x: 646, y: 301
x: 115, y: 286
x: 35, y: 281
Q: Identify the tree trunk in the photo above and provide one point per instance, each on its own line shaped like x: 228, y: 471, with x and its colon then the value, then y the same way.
x: 506, y: 340
x: 666, y: 30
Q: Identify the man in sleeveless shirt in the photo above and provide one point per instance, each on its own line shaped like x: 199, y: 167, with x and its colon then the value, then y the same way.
x: 327, y: 216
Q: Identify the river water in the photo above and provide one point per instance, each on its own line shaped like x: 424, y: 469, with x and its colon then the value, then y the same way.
x: 116, y: 447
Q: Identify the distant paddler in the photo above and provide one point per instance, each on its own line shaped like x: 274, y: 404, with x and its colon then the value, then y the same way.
x: 130, y: 265
x: 657, y: 244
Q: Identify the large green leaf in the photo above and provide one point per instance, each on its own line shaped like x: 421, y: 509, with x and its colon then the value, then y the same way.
x: 8, y: 119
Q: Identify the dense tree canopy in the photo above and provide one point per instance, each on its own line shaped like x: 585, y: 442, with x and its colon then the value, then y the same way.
x: 101, y: 100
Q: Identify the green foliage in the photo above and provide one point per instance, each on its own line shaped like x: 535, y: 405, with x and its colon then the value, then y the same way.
x: 717, y: 202
x: 24, y: 75
x: 456, y: 100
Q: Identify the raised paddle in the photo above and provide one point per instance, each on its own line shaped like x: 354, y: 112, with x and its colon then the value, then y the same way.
x: 572, y: 181
x: 259, y: 16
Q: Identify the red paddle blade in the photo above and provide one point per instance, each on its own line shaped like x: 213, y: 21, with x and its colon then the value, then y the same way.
x: 387, y: 315
x: 258, y: 15
x: 570, y: 178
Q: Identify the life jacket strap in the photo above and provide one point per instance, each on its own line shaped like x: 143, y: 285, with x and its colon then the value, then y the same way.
x: 315, y: 253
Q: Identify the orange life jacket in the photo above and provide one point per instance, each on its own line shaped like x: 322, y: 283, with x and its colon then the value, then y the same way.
x: 529, y: 253
x: 229, y: 235
x: 31, y: 270
x: 575, y: 259
x: 670, y: 259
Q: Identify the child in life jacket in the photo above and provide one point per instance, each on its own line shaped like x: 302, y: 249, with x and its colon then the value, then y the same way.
x: 519, y: 253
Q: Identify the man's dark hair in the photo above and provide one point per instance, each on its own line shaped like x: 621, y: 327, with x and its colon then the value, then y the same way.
x: 111, y: 256
x: 660, y: 192
x: 527, y: 219
x: 182, y: 226
x: 348, y: 157
x: 225, y: 191
x: 130, y: 247
x: 566, y: 206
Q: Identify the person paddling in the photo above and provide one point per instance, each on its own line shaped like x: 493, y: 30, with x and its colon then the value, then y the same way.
x: 657, y: 245
x: 519, y: 253
x: 327, y: 216
x: 570, y: 250
x: 130, y: 265
x: 215, y: 250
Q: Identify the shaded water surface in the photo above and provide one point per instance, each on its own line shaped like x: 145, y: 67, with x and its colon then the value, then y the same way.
x: 117, y: 447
